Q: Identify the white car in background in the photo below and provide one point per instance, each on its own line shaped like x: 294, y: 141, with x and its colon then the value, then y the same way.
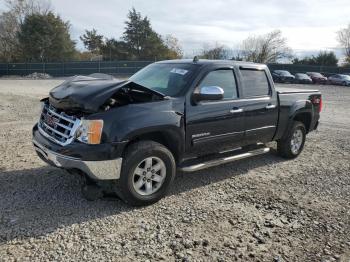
x: 339, y: 79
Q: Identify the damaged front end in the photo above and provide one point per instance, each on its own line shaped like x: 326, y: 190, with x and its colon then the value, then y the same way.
x: 70, y: 133
x: 98, y: 92
x: 65, y: 114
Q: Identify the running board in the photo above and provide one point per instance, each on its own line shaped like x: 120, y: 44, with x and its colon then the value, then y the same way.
x: 223, y: 160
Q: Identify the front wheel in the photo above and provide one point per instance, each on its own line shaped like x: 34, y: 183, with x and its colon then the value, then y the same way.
x: 147, y: 172
x: 291, y: 145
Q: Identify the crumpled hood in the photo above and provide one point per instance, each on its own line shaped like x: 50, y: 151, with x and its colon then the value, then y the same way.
x: 87, y: 93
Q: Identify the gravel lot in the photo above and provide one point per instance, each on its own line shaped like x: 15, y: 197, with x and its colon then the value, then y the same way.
x: 259, y: 209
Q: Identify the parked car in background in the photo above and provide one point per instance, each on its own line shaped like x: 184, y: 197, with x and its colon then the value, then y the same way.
x: 317, y: 78
x: 282, y: 76
x: 302, y: 79
x: 339, y: 79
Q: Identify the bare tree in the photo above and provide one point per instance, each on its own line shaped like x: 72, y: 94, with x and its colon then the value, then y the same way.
x: 343, y: 37
x: 10, y: 22
x: 8, y: 37
x: 172, y: 43
x: 21, y: 8
x: 268, y: 48
x: 218, y: 51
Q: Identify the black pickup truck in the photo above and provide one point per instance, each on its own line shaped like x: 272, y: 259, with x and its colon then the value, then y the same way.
x: 129, y: 137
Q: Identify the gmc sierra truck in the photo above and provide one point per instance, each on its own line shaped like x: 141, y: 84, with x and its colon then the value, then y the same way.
x: 130, y: 137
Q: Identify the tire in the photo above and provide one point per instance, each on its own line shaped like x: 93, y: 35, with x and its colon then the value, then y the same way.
x: 296, y: 136
x: 344, y: 84
x: 137, y: 161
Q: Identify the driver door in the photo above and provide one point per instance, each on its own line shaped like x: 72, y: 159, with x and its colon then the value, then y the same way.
x: 213, y: 126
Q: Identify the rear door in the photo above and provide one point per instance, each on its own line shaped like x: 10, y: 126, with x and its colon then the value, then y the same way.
x: 334, y: 79
x: 212, y: 126
x: 260, y: 104
x: 338, y: 79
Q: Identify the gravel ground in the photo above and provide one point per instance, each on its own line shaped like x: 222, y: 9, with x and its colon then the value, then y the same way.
x: 259, y: 209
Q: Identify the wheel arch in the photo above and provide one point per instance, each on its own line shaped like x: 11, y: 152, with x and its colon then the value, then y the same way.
x: 302, y: 111
x: 172, y: 139
x: 305, y: 118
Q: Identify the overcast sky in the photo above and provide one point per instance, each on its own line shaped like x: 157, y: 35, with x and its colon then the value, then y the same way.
x: 307, y: 24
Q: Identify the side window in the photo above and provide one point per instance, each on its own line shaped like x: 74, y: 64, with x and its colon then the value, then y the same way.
x: 255, y: 83
x: 224, y: 79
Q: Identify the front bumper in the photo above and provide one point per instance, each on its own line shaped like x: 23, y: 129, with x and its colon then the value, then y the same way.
x: 100, y: 162
x: 98, y: 170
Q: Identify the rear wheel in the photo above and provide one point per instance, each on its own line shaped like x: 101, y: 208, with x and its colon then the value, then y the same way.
x: 291, y: 145
x: 147, y: 172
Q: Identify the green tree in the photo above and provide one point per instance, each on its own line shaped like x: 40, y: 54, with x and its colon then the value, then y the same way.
x: 10, y: 22
x: 326, y: 58
x: 45, y: 37
x: 113, y: 49
x: 323, y: 58
x: 92, y: 41
x: 143, y: 41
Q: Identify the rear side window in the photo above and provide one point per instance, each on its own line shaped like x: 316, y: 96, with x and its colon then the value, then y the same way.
x: 224, y: 79
x: 255, y: 83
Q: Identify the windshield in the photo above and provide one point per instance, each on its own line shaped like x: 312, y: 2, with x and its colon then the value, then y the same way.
x: 301, y: 75
x: 316, y: 74
x: 284, y: 73
x: 345, y: 77
x: 168, y: 79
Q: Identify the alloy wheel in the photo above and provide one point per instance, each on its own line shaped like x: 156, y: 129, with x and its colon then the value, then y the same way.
x: 149, y: 176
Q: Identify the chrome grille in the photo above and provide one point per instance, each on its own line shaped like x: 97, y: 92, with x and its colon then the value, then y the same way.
x: 57, y: 125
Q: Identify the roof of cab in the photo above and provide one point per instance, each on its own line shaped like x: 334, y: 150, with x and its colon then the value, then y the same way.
x: 207, y: 62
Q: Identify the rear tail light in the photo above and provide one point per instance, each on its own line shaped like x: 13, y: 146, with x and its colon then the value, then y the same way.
x: 318, y: 101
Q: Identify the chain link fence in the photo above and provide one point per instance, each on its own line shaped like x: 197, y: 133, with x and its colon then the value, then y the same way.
x: 130, y: 67
x: 73, y: 68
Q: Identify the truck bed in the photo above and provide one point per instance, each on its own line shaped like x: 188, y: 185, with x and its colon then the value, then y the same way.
x: 288, y: 90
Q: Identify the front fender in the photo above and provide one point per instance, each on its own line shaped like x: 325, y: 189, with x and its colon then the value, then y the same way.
x: 126, y: 123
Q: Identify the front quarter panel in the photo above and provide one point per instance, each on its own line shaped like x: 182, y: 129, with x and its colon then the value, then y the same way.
x: 126, y: 122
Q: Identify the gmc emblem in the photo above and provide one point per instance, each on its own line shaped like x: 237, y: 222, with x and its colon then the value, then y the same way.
x: 51, y: 121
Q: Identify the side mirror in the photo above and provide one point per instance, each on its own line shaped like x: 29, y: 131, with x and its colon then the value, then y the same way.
x: 209, y: 93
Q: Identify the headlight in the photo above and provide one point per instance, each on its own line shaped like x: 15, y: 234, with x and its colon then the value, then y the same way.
x: 90, y: 131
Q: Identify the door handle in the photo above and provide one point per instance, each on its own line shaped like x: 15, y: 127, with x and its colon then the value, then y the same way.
x: 270, y: 106
x: 236, y: 110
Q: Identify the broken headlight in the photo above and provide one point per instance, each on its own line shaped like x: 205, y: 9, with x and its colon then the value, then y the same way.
x: 90, y: 131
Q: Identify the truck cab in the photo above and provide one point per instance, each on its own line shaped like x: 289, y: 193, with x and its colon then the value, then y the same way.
x: 247, y: 113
